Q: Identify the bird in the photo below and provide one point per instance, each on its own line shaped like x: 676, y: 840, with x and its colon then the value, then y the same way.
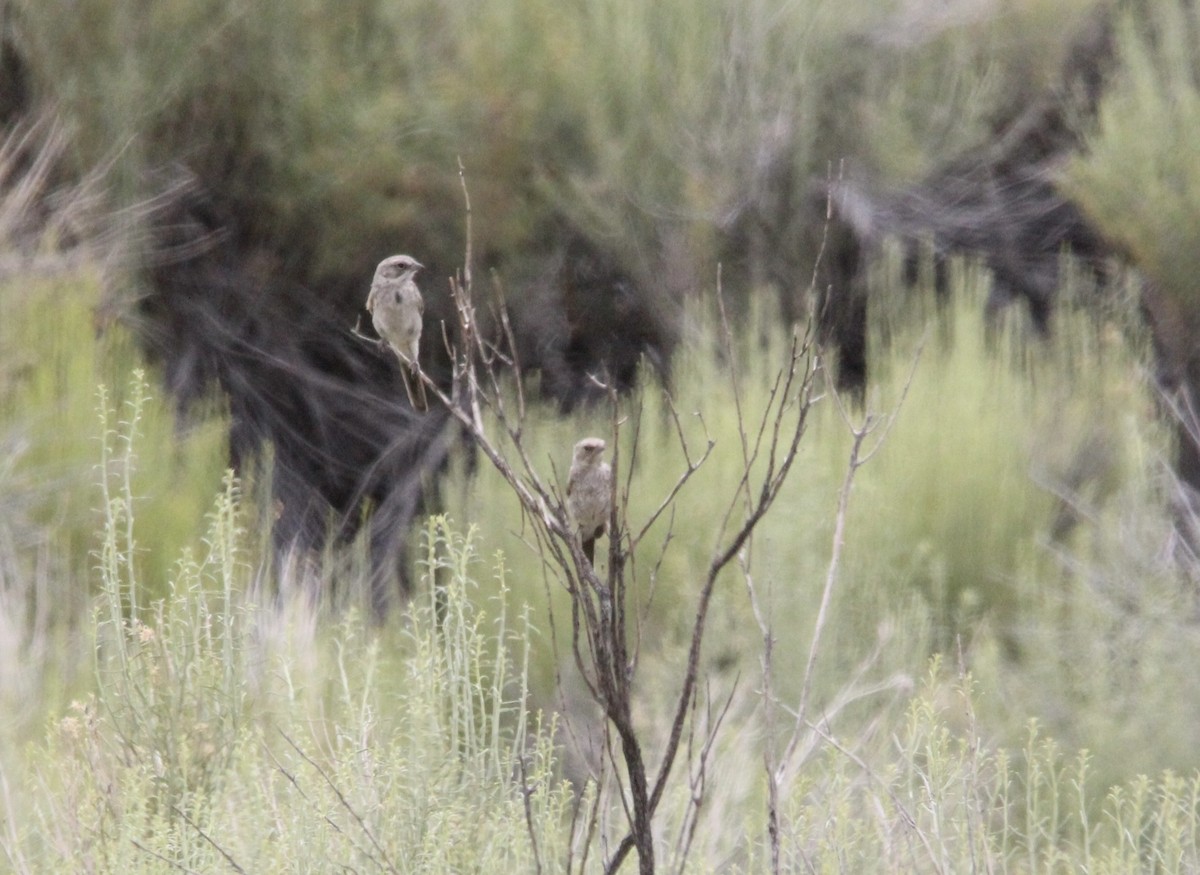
x: 396, y: 307
x: 589, y: 493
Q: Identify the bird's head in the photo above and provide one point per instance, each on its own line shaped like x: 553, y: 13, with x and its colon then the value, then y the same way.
x: 398, y: 267
x: 589, y: 449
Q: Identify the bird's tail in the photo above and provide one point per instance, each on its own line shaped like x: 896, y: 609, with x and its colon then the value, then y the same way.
x: 416, y: 397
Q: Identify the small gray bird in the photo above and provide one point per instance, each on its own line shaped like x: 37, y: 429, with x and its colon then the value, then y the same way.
x: 589, y: 493
x: 396, y: 306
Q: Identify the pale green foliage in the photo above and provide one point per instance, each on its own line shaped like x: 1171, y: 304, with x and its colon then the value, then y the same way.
x: 232, y: 722
x: 212, y: 736
x: 1108, y: 642
x: 952, y: 510
x: 59, y: 352
x: 1139, y: 179
x: 1003, y: 440
x: 50, y: 512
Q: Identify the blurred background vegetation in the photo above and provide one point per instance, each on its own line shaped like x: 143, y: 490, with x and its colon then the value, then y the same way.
x: 199, y: 190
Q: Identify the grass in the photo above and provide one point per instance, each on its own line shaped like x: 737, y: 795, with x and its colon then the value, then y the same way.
x: 220, y: 732
x: 207, y: 690
x: 234, y: 729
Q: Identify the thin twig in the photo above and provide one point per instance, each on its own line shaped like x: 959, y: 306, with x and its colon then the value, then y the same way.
x: 526, y: 792
x: 224, y: 853
x: 770, y: 761
x: 362, y: 824
x: 699, y: 781
x: 909, y: 820
x: 831, y: 574
x: 767, y: 493
x: 167, y: 860
x: 462, y: 178
x: 856, y: 460
x: 681, y: 481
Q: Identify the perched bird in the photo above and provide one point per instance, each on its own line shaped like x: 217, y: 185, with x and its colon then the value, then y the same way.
x: 589, y: 493
x: 395, y: 305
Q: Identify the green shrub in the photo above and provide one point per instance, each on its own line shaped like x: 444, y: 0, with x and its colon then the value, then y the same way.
x: 48, y: 402
x: 1139, y: 178
x: 331, y: 132
x: 1002, y: 435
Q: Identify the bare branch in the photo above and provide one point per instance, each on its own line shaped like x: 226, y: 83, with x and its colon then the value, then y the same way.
x: 692, y: 467
x: 757, y: 509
